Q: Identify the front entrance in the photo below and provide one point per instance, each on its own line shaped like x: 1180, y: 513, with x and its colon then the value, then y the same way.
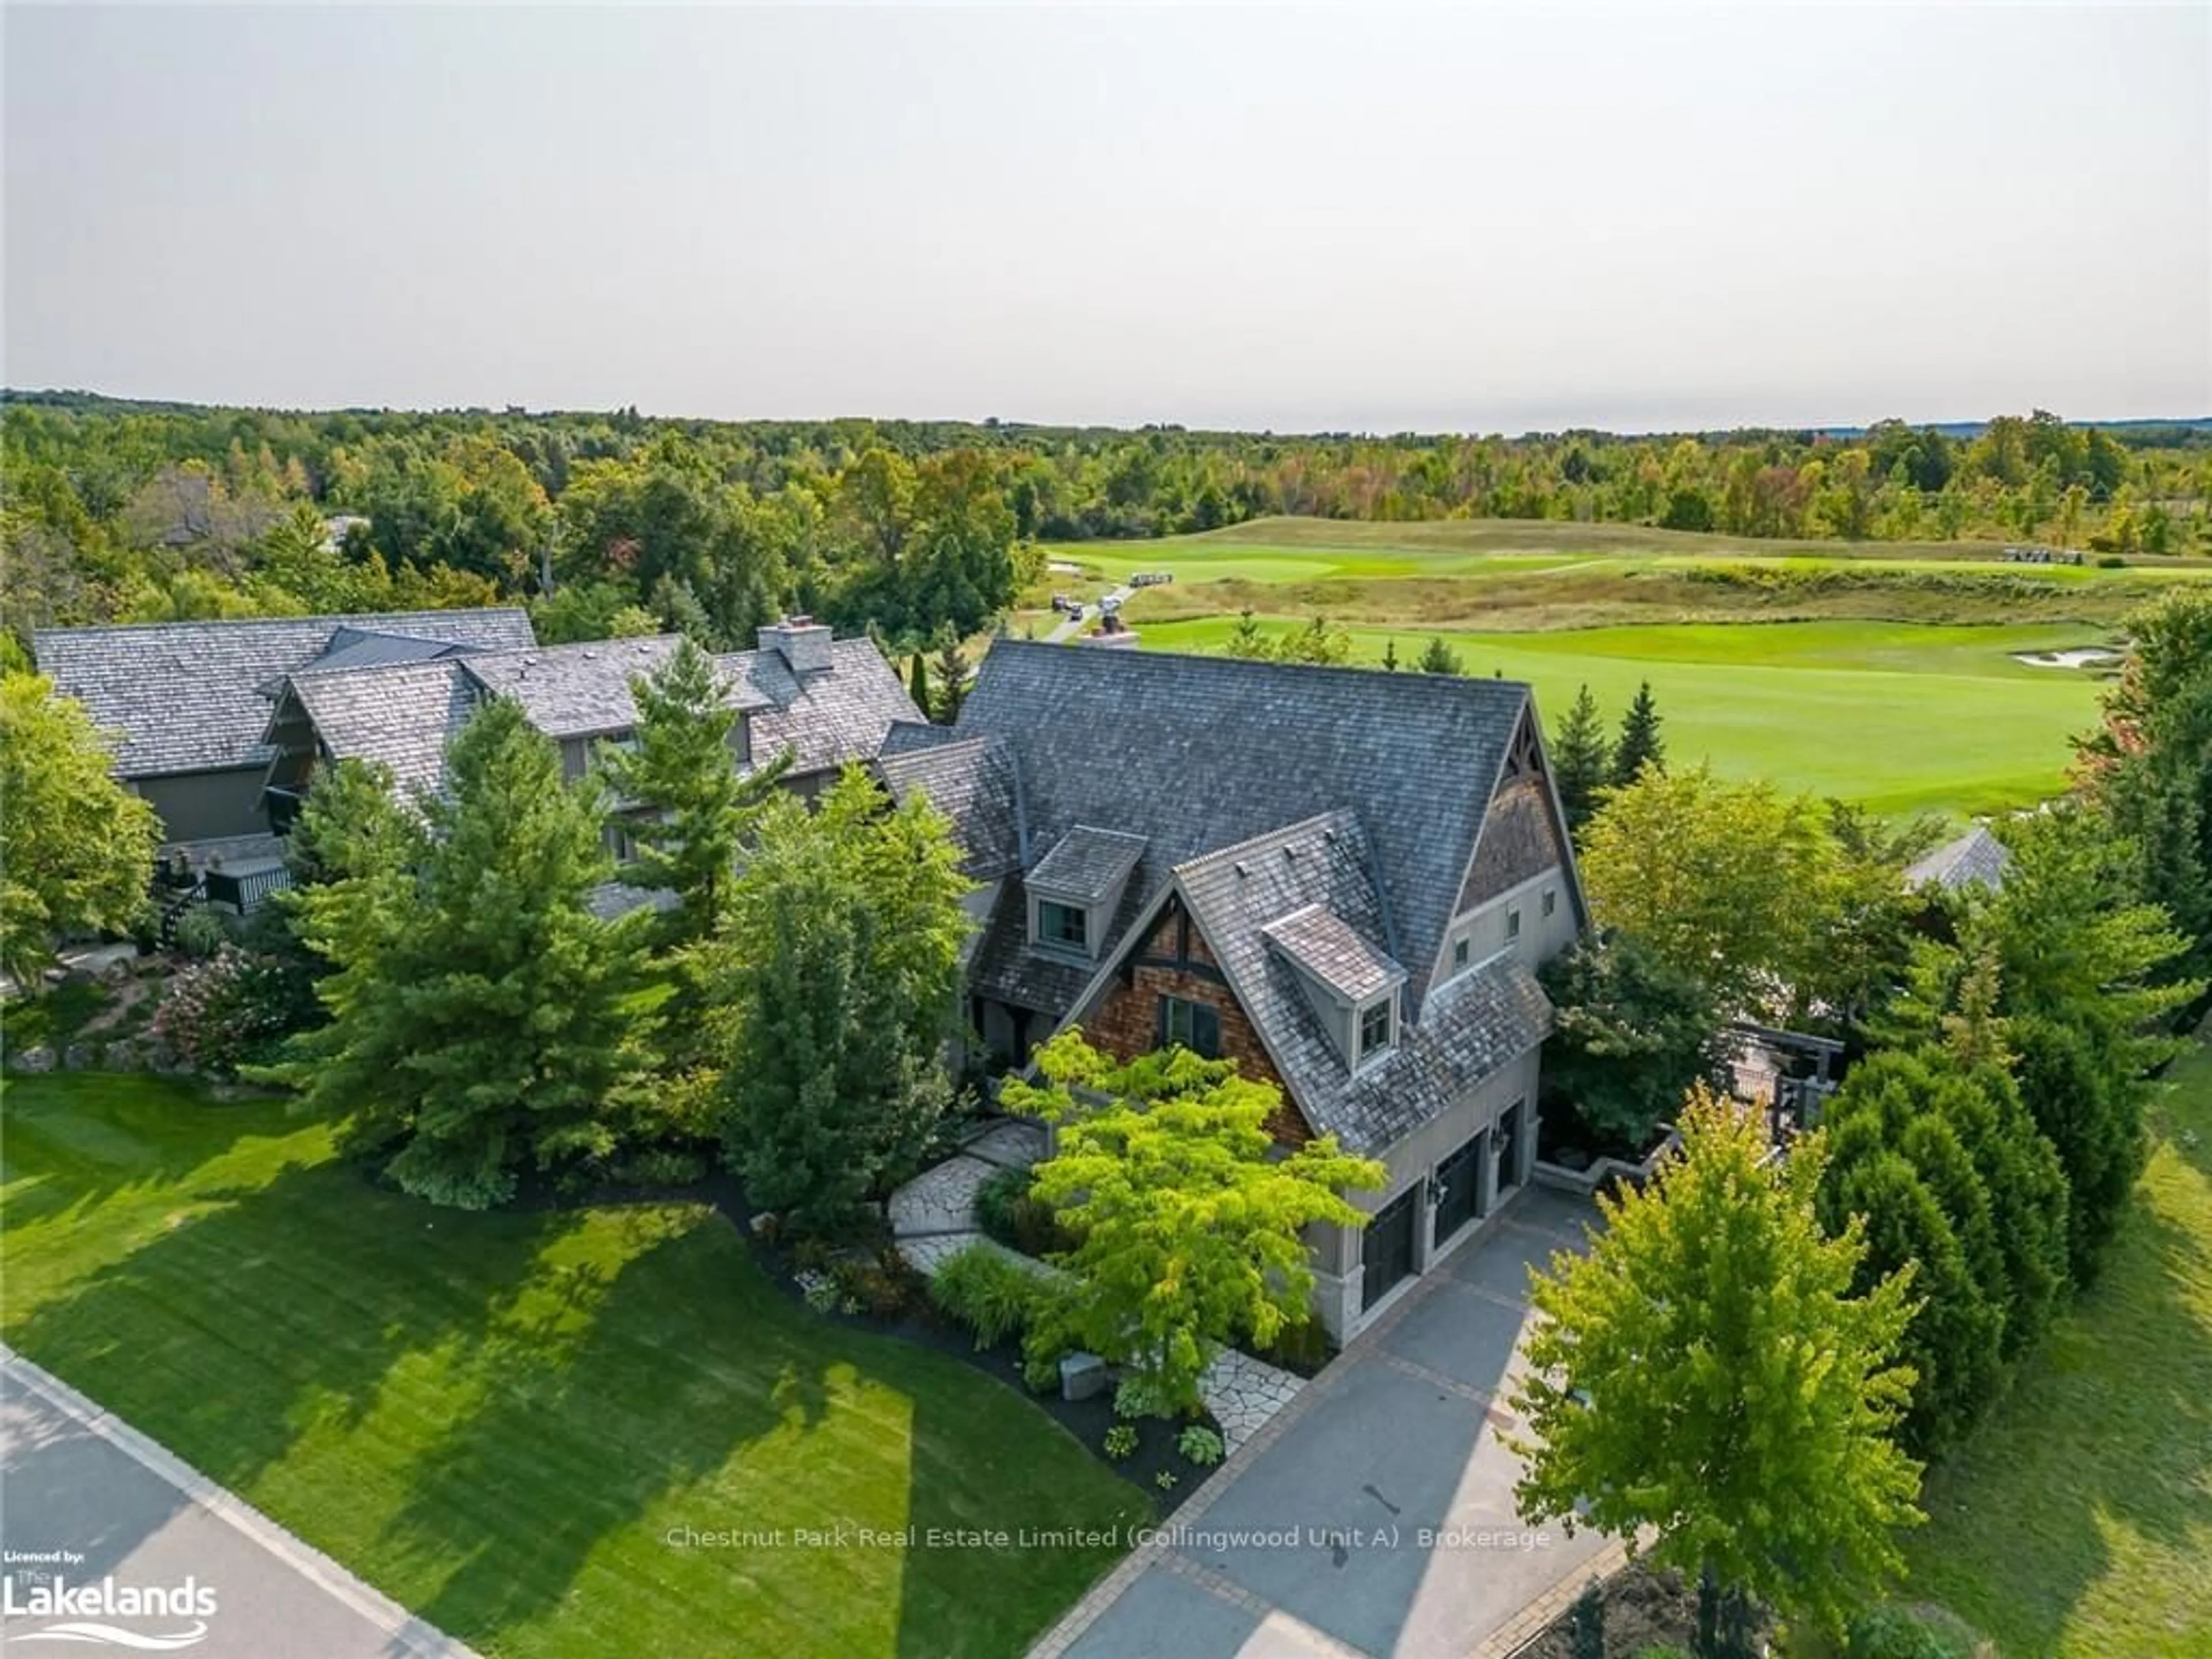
x: 1387, y: 1249
x: 1459, y: 1189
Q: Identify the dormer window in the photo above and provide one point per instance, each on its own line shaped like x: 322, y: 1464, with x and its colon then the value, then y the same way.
x: 1375, y: 1028
x: 1077, y: 887
x: 1067, y: 925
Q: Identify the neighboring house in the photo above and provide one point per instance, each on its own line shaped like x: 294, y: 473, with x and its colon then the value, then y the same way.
x: 1977, y: 859
x: 191, y: 701
x: 225, y: 726
x: 829, y: 702
x: 1341, y: 879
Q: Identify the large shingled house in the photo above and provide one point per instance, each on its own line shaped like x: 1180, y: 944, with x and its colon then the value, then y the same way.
x: 1342, y: 878
x: 190, y: 701
x: 224, y: 725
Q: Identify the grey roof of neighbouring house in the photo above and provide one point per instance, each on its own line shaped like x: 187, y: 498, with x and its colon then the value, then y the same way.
x: 575, y: 690
x: 404, y: 715
x: 1473, y: 1024
x: 1334, y: 953
x: 1977, y: 859
x: 971, y: 781
x: 1086, y: 863
x: 355, y: 648
x: 1197, y: 753
x: 826, y: 717
x: 194, y: 696
x: 400, y: 714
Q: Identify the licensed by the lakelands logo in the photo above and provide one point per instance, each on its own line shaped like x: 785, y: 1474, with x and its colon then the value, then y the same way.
x: 162, y: 1618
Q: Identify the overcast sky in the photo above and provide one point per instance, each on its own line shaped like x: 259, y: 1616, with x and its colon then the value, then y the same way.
x: 1478, y: 218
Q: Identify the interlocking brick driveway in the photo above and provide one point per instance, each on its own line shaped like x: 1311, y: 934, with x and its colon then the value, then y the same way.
x: 1375, y: 1515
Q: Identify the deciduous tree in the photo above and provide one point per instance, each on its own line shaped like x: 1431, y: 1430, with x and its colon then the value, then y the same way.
x: 76, y: 849
x: 1719, y: 880
x: 1711, y: 1376
x: 1633, y: 1035
x: 1189, y: 1223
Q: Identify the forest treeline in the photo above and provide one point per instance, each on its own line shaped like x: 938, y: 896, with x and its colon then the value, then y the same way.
x: 617, y: 522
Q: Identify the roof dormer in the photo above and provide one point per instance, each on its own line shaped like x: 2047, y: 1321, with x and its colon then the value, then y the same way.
x: 1353, y: 984
x: 1077, y: 887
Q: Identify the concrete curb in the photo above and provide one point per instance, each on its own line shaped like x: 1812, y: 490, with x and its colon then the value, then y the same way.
x: 409, y: 1637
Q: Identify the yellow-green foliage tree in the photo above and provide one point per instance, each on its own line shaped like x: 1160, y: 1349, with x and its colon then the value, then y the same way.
x: 76, y: 849
x: 1188, y: 1225
x: 1706, y: 1378
x: 1720, y: 880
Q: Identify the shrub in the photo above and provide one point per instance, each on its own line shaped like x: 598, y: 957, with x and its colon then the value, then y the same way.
x: 1139, y: 1396
x: 1901, y: 1632
x: 869, y: 1285
x: 660, y: 1166
x: 822, y: 1296
x: 1007, y: 1212
x: 1586, y: 1623
x: 200, y: 934
x: 1121, y: 1441
x: 233, y: 1009
x: 1304, y: 1347
x: 1041, y: 1371
x: 1200, y: 1445
x: 994, y: 1296
x: 995, y: 1199
x: 1165, y: 1480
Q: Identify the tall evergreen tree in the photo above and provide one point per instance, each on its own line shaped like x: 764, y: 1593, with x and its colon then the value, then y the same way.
x: 1897, y: 1164
x: 917, y: 682
x: 1582, y: 759
x: 682, y: 773
x: 479, y: 1010
x: 1390, y: 655
x: 1640, y: 744
x: 841, y: 963
x: 952, y: 677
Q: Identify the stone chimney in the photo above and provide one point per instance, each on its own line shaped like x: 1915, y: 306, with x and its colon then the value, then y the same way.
x: 803, y: 642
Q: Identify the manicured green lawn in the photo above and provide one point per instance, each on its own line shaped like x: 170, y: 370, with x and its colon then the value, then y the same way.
x: 1901, y: 717
x: 499, y: 1419
x: 1276, y: 549
x: 2078, y: 1522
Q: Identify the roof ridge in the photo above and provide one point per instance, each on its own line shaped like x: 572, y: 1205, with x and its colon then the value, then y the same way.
x: 1266, y: 837
x: 1221, y: 664
x: 337, y: 618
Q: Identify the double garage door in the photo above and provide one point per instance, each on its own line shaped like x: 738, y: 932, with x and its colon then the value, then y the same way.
x: 1387, y: 1245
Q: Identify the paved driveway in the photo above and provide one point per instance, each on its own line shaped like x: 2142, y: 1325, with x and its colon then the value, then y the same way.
x: 88, y: 1498
x: 1375, y: 1517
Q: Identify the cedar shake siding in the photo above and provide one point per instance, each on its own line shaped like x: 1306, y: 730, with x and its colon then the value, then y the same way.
x: 1174, y: 961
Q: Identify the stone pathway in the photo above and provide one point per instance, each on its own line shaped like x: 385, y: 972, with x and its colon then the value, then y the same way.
x: 1243, y: 1393
x: 934, y: 1217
